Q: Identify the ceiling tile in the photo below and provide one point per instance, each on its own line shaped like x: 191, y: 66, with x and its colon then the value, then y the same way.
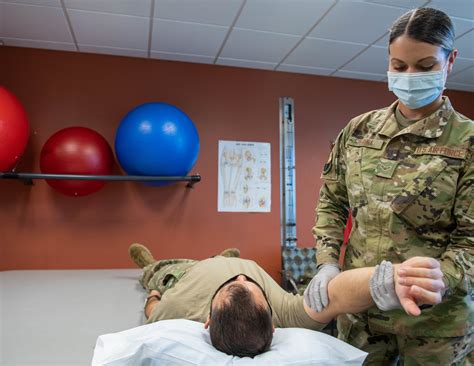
x: 408, y: 4
x: 59, y: 46
x: 462, y: 26
x: 34, y: 23
x: 246, y: 63
x: 461, y: 64
x: 112, y: 51
x: 359, y: 75
x: 383, y: 42
x: 258, y: 46
x: 349, y: 21
x: 463, y: 87
x: 465, y: 45
x: 457, y: 8
x: 464, y: 77
x: 110, y: 30
x: 182, y: 57
x: 373, y: 60
x: 187, y: 38
x: 127, y: 7
x: 56, y: 3
x: 281, y: 16
x: 305, y: 69
x: 218, y: 12
x: 323, y: 53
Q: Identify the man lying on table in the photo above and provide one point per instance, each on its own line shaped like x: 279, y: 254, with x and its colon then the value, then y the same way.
x: 241, y: 304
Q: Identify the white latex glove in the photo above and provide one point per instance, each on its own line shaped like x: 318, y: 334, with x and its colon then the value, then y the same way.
x: 316, y: 294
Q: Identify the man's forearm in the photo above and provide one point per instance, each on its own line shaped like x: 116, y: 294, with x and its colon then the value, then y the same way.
x: 348, y: 293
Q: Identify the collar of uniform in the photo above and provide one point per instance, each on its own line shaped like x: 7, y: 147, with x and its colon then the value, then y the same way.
x: 389, y: 125
x: 429, y: 127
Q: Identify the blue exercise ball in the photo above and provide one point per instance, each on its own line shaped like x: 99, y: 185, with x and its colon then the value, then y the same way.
x: 157, y: 139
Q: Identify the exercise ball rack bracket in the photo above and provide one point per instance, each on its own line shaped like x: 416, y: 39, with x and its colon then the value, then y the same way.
x: 27, y: 178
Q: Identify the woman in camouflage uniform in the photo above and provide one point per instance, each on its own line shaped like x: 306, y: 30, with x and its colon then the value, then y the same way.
x: 406, y: 173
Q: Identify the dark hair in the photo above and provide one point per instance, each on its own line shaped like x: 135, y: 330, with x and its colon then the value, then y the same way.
x: 425, y: 25
x: 239, y: 326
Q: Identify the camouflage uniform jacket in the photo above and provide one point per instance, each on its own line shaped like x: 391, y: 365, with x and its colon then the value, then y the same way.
x: 411, y: 194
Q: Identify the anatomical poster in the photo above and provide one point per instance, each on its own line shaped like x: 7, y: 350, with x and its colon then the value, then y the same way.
x: 244, y: 177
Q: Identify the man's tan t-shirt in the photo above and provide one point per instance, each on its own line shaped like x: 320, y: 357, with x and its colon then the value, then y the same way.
x: 190, y: 298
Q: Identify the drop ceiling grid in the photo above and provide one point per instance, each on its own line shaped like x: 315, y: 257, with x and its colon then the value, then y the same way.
x: 295, y: 36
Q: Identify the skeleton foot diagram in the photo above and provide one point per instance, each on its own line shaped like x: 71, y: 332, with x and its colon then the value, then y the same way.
x: 244, y: 178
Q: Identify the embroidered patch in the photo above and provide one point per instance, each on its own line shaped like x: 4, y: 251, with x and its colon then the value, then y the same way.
x: 327, y: 168
x: 386, y: 168
x: 371, y: 143
x: 441, y: 150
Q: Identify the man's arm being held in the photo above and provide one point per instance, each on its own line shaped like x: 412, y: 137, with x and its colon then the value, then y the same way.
x: 349, y: 292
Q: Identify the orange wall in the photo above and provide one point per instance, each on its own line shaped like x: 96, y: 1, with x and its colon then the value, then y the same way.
x: 41, y: 229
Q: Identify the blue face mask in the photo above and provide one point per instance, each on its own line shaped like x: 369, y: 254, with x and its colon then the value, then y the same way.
x: 417, y: 89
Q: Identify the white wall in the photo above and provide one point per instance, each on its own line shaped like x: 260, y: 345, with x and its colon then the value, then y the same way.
x: 54, y: 317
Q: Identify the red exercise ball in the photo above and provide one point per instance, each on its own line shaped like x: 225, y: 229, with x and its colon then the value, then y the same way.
x: 76, y: 150
x: 14, y: 130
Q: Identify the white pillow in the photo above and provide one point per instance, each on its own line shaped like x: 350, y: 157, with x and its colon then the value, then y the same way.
x: 185, y: 342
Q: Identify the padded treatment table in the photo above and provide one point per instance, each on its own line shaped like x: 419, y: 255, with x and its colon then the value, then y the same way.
x: 53, y: 317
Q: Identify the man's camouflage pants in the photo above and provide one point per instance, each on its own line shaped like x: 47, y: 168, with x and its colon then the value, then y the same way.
x: 387, y: 349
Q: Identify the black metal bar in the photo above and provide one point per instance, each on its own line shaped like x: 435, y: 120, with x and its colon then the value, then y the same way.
x: 192, y: 179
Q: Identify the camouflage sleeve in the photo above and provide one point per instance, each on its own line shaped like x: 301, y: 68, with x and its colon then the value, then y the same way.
x: 457, y: 262
x: 332, y: 210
